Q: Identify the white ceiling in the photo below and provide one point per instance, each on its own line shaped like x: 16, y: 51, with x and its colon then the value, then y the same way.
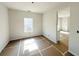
x: 38, y: 7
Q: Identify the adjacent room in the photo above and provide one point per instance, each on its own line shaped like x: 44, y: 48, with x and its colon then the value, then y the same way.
x: 39, y: 29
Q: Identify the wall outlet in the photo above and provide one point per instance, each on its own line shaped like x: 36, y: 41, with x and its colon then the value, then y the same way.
x: 77, y: 31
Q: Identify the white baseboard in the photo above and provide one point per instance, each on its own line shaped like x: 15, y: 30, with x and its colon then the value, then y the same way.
x: 4, y: 46
x: 23, y: 38
x: 49, y: 38
x: 73, y: 53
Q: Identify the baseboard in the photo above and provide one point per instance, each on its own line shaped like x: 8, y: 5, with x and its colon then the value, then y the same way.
x: 26, y: 38
x: 72, y: 53
x: 4, y: 46
x: 49, y: 39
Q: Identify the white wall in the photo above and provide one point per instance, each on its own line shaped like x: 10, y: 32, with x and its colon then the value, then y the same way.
x: 50, y: 21
x: 49, y: 25
x: 74, y: 26
x: 4, y: 27
x: 16, y: 19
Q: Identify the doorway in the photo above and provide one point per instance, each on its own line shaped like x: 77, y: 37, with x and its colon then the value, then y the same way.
x: 63, y: 26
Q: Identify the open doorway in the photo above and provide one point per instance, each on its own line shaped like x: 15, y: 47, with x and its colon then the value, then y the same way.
x: 63, y: 26
x: 63, y: 30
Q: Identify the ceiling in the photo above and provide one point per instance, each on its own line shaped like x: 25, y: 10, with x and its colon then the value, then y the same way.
x: 38, y: 7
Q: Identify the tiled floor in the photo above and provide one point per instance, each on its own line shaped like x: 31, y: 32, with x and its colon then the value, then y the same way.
x: 37, y: 46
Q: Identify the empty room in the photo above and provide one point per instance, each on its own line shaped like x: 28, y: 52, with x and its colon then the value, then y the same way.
x: 39, y: 29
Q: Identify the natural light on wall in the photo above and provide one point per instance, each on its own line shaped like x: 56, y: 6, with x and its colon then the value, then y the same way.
x: 28, y: 25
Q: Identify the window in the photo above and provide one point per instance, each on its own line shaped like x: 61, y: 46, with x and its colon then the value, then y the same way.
x: 28, y: 25
x: 63, y: 24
